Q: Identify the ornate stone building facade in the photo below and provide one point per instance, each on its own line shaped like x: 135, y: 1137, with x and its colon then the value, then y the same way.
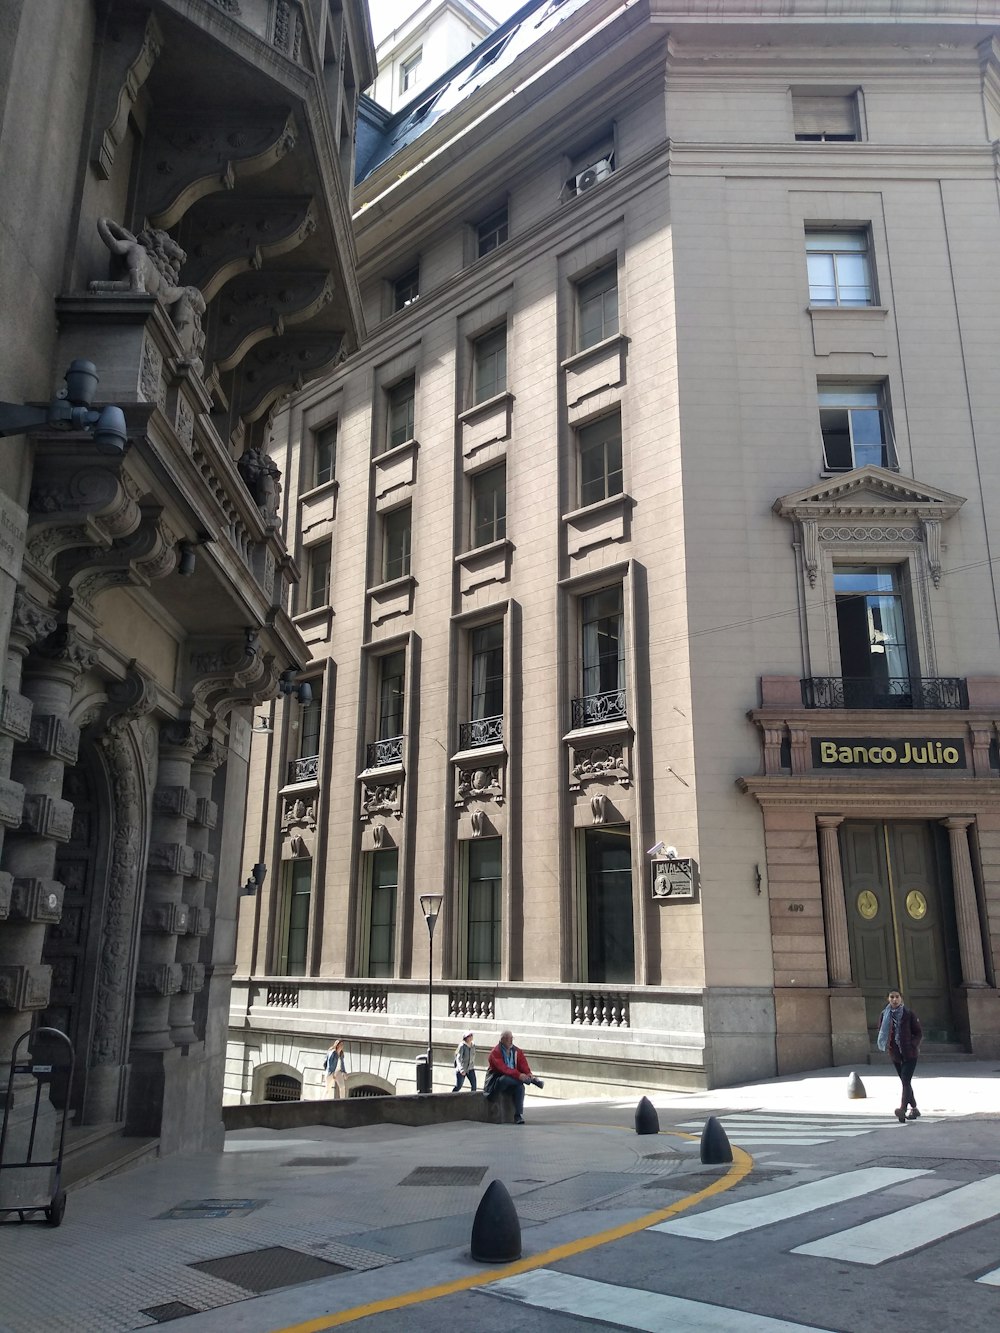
x: 657, y: 511
x: 182, y: 221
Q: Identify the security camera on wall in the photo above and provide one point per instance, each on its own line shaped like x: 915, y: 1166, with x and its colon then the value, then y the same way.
x: 658, y: 850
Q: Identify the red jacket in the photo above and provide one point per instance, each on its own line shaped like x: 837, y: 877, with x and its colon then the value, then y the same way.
x: 500, y: 1066
x: 910, y: 1036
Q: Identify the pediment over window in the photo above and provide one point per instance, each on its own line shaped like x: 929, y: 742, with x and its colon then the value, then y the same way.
x: 870, y: 493
x: 867, y: 507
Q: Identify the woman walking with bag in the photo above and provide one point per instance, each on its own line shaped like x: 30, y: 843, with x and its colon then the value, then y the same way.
x: 900, y: 1035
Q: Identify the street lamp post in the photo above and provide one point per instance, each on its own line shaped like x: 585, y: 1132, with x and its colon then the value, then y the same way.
x: 430, y: 905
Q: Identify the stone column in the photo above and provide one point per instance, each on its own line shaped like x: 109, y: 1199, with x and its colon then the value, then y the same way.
x: 164, y: 918
x: 970, y: 935
x: 838, y: 951
x: 182, y: 1028
x: 38, y: 765
x: 21, y: 974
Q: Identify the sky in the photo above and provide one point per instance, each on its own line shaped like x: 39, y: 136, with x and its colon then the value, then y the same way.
x: 388, y: 14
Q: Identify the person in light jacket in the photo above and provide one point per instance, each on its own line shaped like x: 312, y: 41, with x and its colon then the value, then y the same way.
x: 465, y: 1063
x: 900, y: 1035
x: 509, y: 1071
x: 336, y: 1070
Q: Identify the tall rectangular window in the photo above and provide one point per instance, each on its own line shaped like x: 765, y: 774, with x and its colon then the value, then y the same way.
x: 396, y: 543
x: 597, y: 307
x: 406, y: 289
x: 401, y: 404
x: 490, y: 365
x: 391, y: 695
x: 854, y: 420
x: 871, y: 627
x: 382, y: 913
x: 489, y: 505
x: 324, y: 454
x: 825, y: 117
x: 484, y: 908
x: 491, y: 232
x: 318, y: 584
x: 295, y: 918
x: 310, y: 718
x: 610, y: 928
x: 603, y: 642
x: 600, y: 445
x: 839, y: 268
x: 487, y: 671
x: 409, y: 71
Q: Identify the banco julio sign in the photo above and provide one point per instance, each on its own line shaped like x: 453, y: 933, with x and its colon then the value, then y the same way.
x: 888, y: 752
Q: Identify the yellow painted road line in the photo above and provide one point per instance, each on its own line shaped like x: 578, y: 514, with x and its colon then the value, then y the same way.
x: 741, y: 1167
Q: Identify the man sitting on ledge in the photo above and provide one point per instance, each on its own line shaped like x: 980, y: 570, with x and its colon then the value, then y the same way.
x: 509, y: 1071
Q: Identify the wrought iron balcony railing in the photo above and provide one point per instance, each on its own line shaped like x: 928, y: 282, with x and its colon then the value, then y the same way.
x: 388, y: 751
x: 303, y: 770
x: 594, y: 709
x: 893, y: 692
x: 482, y: 731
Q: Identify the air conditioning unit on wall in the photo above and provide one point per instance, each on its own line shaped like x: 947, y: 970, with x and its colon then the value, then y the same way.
x: 593, y: 175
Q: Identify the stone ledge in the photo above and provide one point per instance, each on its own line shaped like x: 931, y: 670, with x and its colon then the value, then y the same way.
x: 433, y: 1109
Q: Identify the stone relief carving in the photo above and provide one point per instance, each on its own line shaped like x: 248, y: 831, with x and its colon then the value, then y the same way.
x: 381, y: 799
x: 482, y: 784
x: 299, y: 814
x: 152, y: 261
x: 288, y: 28
x: 603, y: 761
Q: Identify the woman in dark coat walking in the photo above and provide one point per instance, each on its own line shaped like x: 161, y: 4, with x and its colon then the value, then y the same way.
x: 900, y: 1035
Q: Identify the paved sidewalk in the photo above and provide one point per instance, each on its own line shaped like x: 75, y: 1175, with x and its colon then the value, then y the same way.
x: 287, y: 1226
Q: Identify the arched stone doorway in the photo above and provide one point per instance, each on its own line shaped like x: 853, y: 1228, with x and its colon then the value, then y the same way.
x: 92, y: 949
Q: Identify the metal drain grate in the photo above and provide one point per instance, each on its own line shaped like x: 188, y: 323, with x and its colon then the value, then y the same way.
x: 320, y: 1161
x: 660, y: 1156
x: 266, y: 1270
x: 199, y: 1208
x: 445, y: 1175
x: 172, y: 1310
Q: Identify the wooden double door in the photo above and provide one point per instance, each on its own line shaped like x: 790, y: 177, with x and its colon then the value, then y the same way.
x: 900, y: 912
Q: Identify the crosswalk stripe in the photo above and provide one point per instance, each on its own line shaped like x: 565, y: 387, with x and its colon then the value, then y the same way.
x: 746, y: 1215
x: 991, y: 1279
x: 628, y: 1307
x: 888, y: 1237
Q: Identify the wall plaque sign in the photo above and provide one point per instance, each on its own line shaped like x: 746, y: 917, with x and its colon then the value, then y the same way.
x: 674, y: 878
x: 917, y: 753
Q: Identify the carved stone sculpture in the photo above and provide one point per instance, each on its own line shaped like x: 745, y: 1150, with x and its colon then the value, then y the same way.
x: 262, y: 478
x: 152, y: 261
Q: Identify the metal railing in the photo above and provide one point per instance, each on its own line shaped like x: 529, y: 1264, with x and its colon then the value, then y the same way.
x: 482, y: 731
x: 381, y: 753
x: 303, y: 770
x: 892, y: 692
x: 594, y: 709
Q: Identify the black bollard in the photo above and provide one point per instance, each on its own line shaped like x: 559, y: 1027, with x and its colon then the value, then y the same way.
x: 646, y: 1119
x: 715, y: 1145
x: 855, y: 1088
x: 496, y: 1230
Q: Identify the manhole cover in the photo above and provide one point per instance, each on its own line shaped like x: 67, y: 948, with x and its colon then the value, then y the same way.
x: 265, y: 1270
x: 321, y: 1161
x: 445, y: 1175
x: 172, y: 1310
x: 200, y: 1208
